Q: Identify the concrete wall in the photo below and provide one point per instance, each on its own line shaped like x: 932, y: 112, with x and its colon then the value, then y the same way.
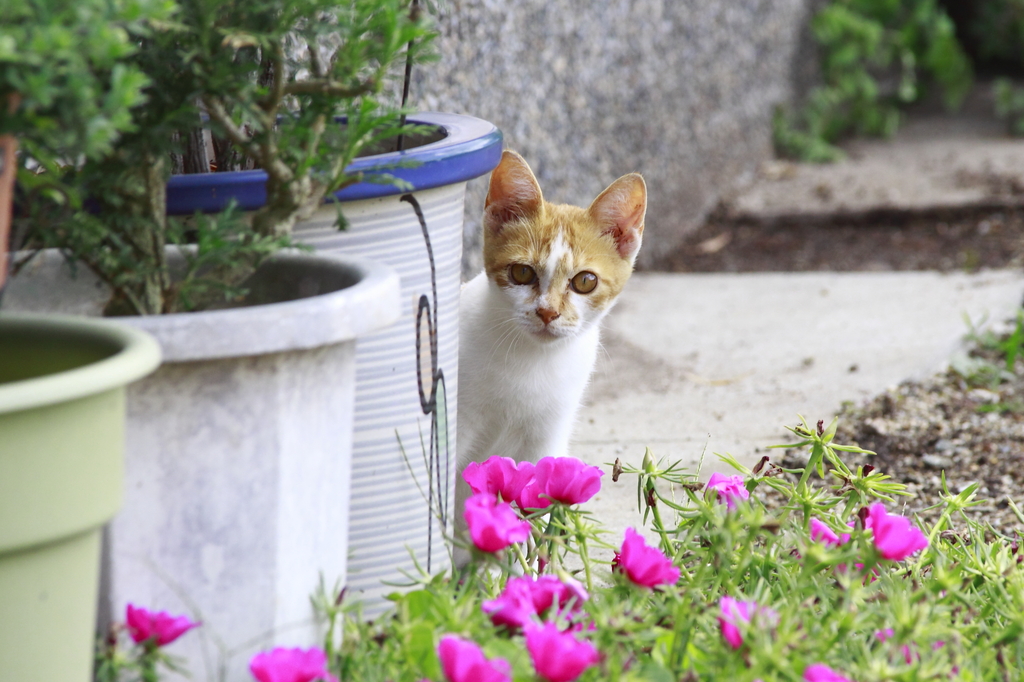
x: 587, y: 90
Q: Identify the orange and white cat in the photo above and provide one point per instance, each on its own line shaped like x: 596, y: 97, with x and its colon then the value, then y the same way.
x: 530, y: 323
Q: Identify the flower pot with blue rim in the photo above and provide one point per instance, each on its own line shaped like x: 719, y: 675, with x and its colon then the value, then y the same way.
x: 62, y: 424
x: 403, y: 459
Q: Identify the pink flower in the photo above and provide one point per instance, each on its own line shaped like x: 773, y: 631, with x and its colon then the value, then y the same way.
x: 558, y: 656
x: 822, y: 673
x: 822, y: 533
x: 514, y: 608
x: 887, y: 633
x: 563, y: 479
x: 464, y: 661
x: 493, y: 525
x: 548, y: 591
x: 290, y: 665
x: 499, y: 476
x: 734, y: 612
x: 729, y: 488
x: 158, y: 626
x: 574, y: 589
x: 525, y: 597
x: 893, y: 534
x: 644, y: 565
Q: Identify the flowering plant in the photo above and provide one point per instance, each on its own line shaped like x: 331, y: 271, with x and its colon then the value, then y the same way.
x: 771, y: 574
x: 802, y: 579
x: 149, y: 631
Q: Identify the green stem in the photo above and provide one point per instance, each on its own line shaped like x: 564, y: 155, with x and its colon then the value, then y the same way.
x: 812, y: 463
x: 581, y: 538
x: 522, y: 558
x: 943, y: 519
x: 148, y: 663
x: 659, y: 525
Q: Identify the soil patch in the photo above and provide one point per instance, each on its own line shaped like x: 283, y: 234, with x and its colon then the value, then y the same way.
x: 962, y: 239
x: 969, y: 429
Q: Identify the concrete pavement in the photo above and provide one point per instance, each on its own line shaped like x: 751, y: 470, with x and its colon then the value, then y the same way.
x: 726, y: 361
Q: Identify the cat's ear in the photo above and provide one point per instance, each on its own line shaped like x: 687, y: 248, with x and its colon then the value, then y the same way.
x: 513, y: 193
x: 620, y: 210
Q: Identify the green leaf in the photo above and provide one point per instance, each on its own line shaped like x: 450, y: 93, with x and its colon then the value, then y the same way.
x: 419, y: 605
x: 421, y: 651
x: 649, y: 671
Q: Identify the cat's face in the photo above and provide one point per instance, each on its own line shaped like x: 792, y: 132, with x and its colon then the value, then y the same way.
x: 560, y: 266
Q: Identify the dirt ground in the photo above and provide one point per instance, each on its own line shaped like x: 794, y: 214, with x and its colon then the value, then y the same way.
x: 946, y: 239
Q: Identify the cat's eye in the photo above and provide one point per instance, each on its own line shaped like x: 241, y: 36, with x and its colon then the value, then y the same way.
x: 583, y: 282
x: 522, y: 274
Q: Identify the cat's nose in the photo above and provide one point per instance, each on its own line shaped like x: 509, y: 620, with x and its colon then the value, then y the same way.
x: 547, y: 315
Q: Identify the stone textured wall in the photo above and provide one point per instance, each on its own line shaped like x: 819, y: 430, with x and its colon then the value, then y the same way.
x: 588, y: 90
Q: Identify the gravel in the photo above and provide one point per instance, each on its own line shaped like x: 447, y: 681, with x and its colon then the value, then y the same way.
x: 966, y: 424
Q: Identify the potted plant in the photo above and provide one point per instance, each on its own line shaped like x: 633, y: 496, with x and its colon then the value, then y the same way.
x: 62, y: 380
x: 403, y: 207
x: 254, y: 518
x: 398, y: 191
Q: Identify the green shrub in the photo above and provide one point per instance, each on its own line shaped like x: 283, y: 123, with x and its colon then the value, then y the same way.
x: 876, y: 56
x: 272, y: 76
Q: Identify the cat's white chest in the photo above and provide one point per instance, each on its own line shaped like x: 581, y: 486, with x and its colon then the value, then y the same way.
x: 517, y: 397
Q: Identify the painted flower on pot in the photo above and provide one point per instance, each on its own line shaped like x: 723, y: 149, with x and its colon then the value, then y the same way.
x: 499, y: 476
x: 493, y: 525
x: 644, y: 565
x: 158, y: 627
x: 563, y: 479
x: 291, y: 665
x: 558, y: 656
x: 894, y: 536
x: 464, y: 661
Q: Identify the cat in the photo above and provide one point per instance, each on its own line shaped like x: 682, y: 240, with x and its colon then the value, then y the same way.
x: 529, y: 324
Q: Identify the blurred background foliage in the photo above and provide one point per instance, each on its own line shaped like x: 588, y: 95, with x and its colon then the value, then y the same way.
x: 878, y: 56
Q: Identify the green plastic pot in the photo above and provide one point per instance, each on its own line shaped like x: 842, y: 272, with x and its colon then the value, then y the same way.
x: 62, y: 407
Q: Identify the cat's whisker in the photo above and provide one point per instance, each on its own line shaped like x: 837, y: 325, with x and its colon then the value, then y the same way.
x: 501, y: 324
x: 498, y: 342
x: 604, y: 350
x: 508, y: 347
x: 511, y: 346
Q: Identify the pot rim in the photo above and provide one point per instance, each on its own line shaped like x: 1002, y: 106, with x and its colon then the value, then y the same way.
x: 372, y: 303
x: 471, y: 148
x: 139, y: 355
